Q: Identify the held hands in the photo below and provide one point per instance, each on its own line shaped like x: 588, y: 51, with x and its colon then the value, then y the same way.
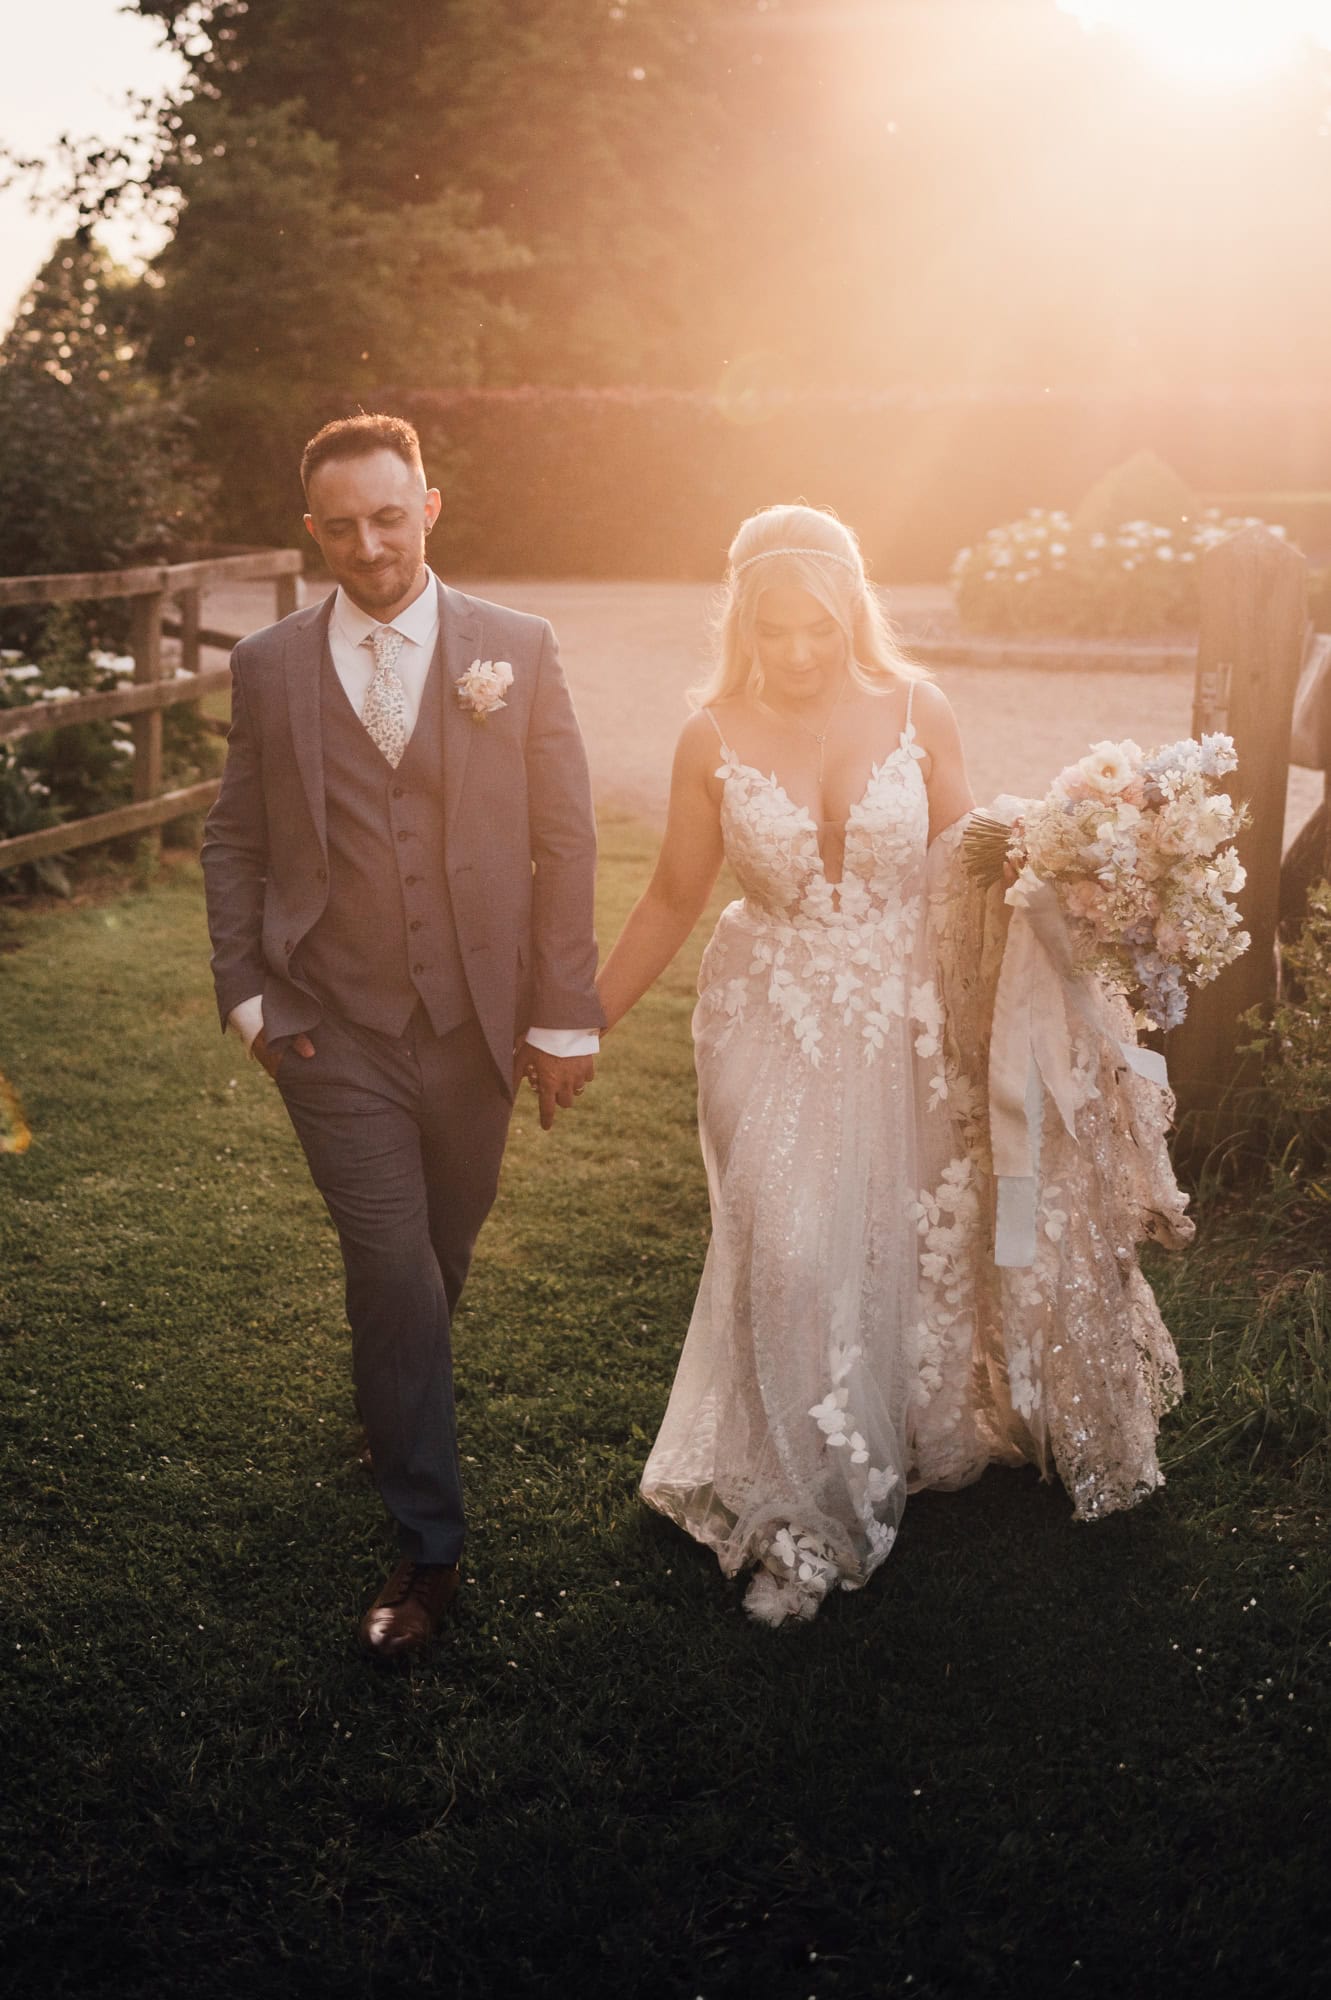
x: 557, y: 1080
x: 262, y: 1054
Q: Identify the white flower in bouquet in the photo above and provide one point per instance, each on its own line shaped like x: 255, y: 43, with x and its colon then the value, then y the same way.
x: 1107, y: 769
x: 1136, y: 847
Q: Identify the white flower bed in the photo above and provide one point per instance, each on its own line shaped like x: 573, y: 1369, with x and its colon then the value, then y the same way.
x: 1042, y: 574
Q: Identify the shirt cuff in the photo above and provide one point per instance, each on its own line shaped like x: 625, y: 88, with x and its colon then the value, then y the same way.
x: 247, y: 1019
x: 564, y: 1041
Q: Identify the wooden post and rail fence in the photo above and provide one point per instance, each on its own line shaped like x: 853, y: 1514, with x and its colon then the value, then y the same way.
x: 1253, y: 642
x: 1254, y: 639
x: 150, y: 591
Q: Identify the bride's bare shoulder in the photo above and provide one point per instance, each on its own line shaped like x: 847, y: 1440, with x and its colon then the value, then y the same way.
x: 700, y: 744
x: 710, y: 727
x: 931, y: 712
x: 927, y: 700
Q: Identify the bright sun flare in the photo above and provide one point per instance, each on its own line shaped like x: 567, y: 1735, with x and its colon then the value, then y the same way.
x: 1212, y: 43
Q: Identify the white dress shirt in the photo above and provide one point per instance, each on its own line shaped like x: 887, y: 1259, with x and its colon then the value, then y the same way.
x: 348, y: 629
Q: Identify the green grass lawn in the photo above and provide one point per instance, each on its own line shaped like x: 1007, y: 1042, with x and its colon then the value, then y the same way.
x: 1031, y: 1758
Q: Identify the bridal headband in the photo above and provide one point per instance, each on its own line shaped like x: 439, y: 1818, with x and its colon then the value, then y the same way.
x: 827, y: 555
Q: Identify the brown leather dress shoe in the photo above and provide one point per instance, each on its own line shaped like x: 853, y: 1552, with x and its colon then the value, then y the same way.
x: 409, y: 1609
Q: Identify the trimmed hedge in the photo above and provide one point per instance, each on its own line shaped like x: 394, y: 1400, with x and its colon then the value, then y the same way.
x: 653, y: 483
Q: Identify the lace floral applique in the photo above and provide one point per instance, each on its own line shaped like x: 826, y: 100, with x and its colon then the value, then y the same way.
x: 909, y: 743
x: 797, y: 1571
x: 1053, y: 1220
x: 839, y: 950
x: 872, y: 1487
x: 1023, y: 1380
x: 832, y: 1420
x: 947, y: 1219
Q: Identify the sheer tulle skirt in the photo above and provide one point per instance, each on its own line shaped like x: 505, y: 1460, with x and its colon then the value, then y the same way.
x: 796, y: 1424
x: 852, y: 1340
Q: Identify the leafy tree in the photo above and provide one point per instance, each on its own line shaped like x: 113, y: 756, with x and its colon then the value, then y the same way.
x: 592, y: 132
x: 95, y: 470
x: 580, y: 131
x: 288, y: 296
x: 459, y: 191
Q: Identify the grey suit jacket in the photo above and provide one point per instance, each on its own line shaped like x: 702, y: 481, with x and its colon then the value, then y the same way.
x: 520, y: 845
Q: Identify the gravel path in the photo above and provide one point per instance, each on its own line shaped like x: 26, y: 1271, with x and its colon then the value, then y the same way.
x: 631, y: 650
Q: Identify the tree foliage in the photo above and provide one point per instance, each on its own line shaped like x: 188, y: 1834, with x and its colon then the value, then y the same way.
x: 753, y: 197
x: 581, y: 131
x: 460, y: 190
x: 288, y: 299
x: 95, y: 471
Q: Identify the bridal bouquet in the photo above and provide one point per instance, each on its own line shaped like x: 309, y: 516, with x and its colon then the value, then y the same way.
x: 1136, y: 849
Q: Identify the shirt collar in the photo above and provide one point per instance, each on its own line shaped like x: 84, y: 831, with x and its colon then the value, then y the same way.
x: 419, y: 622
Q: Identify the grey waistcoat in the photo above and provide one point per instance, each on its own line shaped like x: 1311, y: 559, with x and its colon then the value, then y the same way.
x: 386, y: 938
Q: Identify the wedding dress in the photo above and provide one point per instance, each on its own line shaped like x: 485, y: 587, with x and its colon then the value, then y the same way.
x: 852, y: 1341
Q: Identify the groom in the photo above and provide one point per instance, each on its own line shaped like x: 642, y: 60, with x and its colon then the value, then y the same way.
x: 399, y: 874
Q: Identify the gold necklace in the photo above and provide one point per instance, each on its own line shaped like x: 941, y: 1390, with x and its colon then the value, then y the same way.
x: 815, y: 736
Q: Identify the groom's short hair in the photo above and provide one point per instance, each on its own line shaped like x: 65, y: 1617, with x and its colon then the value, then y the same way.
x: 357, y: 437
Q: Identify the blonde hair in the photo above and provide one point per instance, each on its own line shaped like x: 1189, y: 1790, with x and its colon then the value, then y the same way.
x: 809, y: 548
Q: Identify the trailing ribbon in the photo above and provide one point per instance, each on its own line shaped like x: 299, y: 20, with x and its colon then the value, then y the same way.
x: 1031, y: 1053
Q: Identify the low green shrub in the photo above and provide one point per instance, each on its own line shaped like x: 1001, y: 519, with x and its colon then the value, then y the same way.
x: 72, y: 772
x: 1250, y: 1300
x: 1293, y: 1041
x: 25, y: 807
x: 1044, y: 573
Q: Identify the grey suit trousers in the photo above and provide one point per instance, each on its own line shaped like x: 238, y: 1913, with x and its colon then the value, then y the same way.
x: 404, y: 1136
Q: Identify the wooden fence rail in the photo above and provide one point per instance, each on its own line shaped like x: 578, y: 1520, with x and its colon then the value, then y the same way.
x: 149, y: 589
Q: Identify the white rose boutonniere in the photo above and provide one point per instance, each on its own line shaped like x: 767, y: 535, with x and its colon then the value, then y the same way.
x: 482, y: 688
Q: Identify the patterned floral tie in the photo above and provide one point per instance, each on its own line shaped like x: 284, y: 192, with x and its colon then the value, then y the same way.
x: 385, y: 710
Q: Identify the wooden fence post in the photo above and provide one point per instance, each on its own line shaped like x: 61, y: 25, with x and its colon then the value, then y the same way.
x: 145, y: 589
x: 189, y: 630
x: 1254, y: 603
x: 146, y: 642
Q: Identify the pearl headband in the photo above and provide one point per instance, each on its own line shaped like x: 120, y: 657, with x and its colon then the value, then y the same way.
x: 827, y: 555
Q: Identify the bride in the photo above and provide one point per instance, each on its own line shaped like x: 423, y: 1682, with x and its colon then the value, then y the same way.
x: 852, y: 1340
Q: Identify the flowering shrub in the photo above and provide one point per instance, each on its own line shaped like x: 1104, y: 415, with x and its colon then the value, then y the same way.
x: 1042, y: 574
x: 84, y: 768
x: 25, y: 807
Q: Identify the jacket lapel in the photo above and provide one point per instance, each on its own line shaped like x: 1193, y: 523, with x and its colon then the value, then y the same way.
x: 302, y: 667
x: 459, y: 645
